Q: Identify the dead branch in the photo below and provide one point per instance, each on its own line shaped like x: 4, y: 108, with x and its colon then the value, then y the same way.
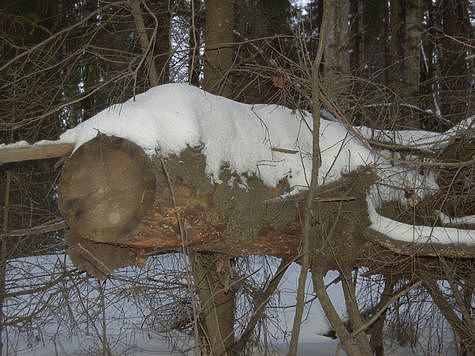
x: 52, y: 149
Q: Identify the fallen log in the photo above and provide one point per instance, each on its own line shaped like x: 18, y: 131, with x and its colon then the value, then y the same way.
x: 112, y: 192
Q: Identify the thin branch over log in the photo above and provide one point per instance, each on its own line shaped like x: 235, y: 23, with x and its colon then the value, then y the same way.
x: 15, y: 153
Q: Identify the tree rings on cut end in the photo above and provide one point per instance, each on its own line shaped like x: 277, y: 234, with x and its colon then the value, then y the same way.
x: 106, y: 187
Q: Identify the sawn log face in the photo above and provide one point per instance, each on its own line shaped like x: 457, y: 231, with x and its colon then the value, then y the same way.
x: 105, y: 188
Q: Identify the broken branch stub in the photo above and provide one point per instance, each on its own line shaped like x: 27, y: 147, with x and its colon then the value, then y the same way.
x: 106, y: 187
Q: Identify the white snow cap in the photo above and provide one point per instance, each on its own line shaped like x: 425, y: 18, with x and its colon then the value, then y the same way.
x: 270, y: 141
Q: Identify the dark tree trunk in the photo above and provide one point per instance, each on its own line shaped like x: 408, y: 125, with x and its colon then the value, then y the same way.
x: 411, y: 63
x: 336, y: 68
x: 219, y: 51
x: 456, y: 94
x: 356, y: 35
x: 162, y: 45
x: 216, y: 299
x: 260, y: 77
x: 126, y: 198
x: 374, y: 12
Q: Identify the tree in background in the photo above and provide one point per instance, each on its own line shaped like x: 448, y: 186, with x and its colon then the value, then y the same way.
x: 260, y: 30
x: 219, y: 53
x: 213, y: 273
x: 454, y: 45
x: 336, y: 69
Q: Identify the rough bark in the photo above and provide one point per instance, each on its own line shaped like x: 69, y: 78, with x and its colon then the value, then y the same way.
x: 137, y: 13
x: 214, y: 277
x: 219, y: 50
x: 125, y: 198
x: 260, y: 76
x: 404, y: 57
x: 162, y: 51
x: 216, y: 299
x: 221, y: 221
x: 412, y: 55
x: 373, y: 27
x: 336, y: 58
x: 356, y: 33
x: 194, y: 68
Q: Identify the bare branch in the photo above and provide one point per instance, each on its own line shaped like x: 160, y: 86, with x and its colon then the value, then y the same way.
x: 15, y: 153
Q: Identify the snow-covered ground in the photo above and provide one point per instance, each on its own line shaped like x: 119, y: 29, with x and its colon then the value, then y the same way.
x: 76, y: 315
x: 68, y: 313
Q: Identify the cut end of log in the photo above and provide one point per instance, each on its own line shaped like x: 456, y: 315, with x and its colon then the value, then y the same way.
x: 106, y: 187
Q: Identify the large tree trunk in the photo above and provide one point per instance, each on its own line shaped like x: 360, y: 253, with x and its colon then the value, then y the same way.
x: 412, y: 56
x: 373, y: 32
x: 216, y: 299
x: 110, y: 191
x: 403, y: 57
x: 219, y: 51
x: 194, y: 68
x: 395, y: 47
x: 260, y: 77
x: 162, y: 52
x: 336, y: 73
x: 357, y: 30
x: 150, y: 67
